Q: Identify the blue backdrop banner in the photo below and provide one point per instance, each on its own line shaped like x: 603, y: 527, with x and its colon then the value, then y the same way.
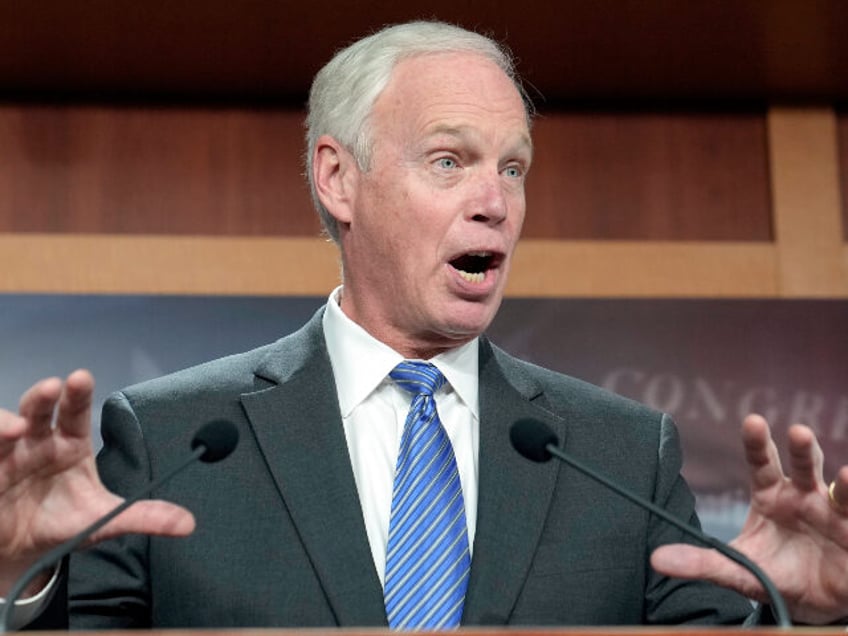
x: 707, y: 362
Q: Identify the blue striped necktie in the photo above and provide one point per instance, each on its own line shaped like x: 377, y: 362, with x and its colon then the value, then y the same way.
x: 427, y: 557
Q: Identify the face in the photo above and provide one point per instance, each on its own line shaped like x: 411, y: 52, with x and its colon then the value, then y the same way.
x: 430, y: 227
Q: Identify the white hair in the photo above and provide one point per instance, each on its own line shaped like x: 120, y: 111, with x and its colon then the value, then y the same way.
x: 344, y: 91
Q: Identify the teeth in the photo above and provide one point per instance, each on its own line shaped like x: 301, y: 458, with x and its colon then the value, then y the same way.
x: 473, y: 278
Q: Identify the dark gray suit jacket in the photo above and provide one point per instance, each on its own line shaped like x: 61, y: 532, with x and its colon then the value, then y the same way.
x: 280, y: 537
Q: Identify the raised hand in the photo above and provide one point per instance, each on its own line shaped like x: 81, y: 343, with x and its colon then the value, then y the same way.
x: 49, y: 487
x: 796, y: 530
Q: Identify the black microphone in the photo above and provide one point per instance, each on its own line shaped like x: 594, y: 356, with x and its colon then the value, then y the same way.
x: 212, y: 442
x: 538, y: 443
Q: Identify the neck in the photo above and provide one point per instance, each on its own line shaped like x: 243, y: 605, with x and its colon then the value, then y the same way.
x: 411, y: 346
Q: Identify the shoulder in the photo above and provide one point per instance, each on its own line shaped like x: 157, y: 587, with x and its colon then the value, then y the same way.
x: 565, y: 391
x: 627, y: 436
x: 220, y: 382
x: 234, y: 372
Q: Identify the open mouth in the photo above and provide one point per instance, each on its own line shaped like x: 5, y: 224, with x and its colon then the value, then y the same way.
x: 473, y: 266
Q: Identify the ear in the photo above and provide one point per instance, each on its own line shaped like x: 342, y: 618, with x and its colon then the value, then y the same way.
x: 334, y: 173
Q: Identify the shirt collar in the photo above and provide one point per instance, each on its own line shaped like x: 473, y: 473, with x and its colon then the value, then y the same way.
x: 361, y: 362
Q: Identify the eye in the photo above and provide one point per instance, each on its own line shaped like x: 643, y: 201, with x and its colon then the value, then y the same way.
x: 514, y: 172
x: 447, y: 163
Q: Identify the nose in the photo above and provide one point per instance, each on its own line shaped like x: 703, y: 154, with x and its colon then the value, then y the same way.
x: 490, y: 202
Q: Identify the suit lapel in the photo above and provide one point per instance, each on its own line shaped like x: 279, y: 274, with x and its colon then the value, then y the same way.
x: 298, y: 427
x: 514, y: 494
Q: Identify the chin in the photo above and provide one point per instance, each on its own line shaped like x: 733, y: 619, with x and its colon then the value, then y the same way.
x: 466, y: 325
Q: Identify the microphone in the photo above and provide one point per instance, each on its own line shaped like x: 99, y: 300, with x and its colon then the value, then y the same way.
x: 538, y: 443
x: 212, y: 442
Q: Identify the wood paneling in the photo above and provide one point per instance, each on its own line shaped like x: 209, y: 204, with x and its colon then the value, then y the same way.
x: 630, y: 202
x: 807, y: 257
x: 644, y: 175
x: 644, y: 269
x: 64, y: 159
x: 269, y: 49
x: 280, y: 266
x: 238, y: 172
x: 842, y: 140
x: 143, y: 264
x: 153, y: 170
x: 805, y: 185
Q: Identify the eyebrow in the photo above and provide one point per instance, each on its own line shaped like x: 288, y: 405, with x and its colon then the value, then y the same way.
x: 462, y: 132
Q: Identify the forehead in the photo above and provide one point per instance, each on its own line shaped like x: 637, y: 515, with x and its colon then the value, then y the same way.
x: 451, y: 88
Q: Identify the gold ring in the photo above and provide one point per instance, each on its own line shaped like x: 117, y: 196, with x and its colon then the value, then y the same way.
x: 832, y: 499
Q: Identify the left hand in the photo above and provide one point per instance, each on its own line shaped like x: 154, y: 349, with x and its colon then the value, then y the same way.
x: 793, y: 531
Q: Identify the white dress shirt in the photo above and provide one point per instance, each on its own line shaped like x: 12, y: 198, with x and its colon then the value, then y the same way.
x: 374, y: 412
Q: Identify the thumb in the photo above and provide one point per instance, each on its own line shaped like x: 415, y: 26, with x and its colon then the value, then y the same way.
x: 152, y: 517
x: 690, y: 562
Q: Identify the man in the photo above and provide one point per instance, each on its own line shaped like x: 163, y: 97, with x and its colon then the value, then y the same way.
x: 419, y: 146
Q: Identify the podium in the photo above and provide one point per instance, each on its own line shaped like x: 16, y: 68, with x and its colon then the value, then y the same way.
x: 481, y: 631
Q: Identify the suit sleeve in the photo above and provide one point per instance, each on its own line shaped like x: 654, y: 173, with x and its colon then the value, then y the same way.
x: 109, y: 584
x: 53, y: 614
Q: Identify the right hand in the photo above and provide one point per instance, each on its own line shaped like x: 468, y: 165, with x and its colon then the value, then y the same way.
x: 49, y: 486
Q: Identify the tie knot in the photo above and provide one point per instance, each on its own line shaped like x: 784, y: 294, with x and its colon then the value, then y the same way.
x: 419, y: 378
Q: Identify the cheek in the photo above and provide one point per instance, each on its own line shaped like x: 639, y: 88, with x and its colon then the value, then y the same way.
x: 388, y: 208
x: 405, y: 223
x: 516, y: 215
x: 519, y: 222
x: 376, y: 218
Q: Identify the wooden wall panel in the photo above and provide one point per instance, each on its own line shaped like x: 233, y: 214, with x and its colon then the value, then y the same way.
x: 842, y: 140
x: 806, y: 258
x: 153, y: 170
x: 705, y: 50
x: 52, y: 263
x: 238, y: 172
x: 805, y: 185
x: 657, y: 176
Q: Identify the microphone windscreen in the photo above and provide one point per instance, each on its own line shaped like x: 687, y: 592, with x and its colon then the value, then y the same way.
x: 218, y: 437
x: 531, y: 437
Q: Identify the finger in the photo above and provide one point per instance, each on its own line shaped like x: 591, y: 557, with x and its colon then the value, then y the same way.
x: 838, y: 491
x: 151, y: 517
x: 38, y: 403
x: 760, y: 453
x: 73, y: 415
x: 806, y: 459
x: 12, y: 427
x: 689, y: 562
